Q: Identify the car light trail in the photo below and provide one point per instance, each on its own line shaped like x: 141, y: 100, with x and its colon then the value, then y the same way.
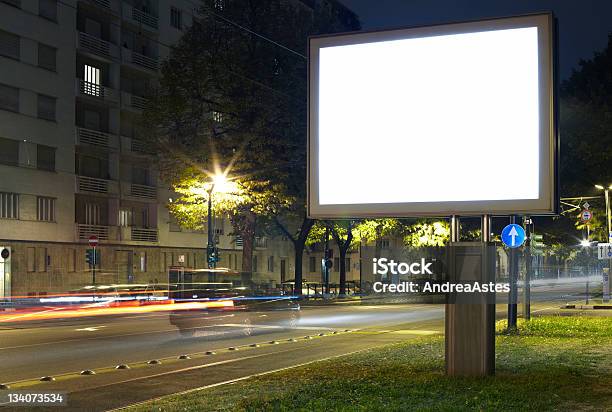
x: 72, y: 312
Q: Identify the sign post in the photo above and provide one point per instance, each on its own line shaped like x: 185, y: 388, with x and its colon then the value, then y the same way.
x: 604, y: 252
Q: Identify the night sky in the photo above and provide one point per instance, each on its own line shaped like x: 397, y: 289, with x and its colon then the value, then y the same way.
x: 583, y: 24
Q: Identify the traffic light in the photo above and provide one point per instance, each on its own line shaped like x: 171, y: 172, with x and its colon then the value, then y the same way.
x: 537, y: 244
x: 92, y: 256
x: 213, y: 254
x: 327, y: 258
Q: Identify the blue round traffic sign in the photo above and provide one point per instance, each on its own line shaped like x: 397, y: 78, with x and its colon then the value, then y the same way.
x: 513, y: 235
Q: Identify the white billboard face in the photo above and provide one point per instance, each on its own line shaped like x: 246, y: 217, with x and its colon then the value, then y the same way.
x: 453, y: 119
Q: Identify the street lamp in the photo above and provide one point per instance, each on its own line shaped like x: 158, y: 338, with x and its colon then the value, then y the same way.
x: 606, y: 278
x: 585, y: 243
x: 218, y: 182
x: 607, y: 197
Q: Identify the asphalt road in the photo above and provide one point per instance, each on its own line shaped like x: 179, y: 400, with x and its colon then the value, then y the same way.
x: 64, y: 348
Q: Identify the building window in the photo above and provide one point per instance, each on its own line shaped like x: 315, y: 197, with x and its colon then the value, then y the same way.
x: 48, y: 9
x: 9, y: 98
x: 47, y: 57
x: 45, y: 209
x: 140, y: 176
x: 143, y: 261
x: 9, y: 45
x: 45, y: 158
x: 382, y: 243
x: 9, y: 152
x: 125, y: 217
x: 91, y: 81
x: 9, y: 205
x: 92, y: 214
x: 46, y: 107
x: 312, y: 264
x: 270, y: 263
x: 336, y: 264
x: 176, y: 18
x: 217, y: 116
x: 254, y: 267
x: 347, y: 264
x: 14, y: 3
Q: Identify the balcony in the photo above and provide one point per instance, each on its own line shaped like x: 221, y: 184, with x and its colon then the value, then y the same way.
x: 137, y: 234
x: 139, y: 60
x: 133, y: 102
x: 132, y: 146
x: 95, y: 138
x: 140, y: 18
x: 94, y: 45
x: 102, y: 232
x: 95, y: 185
x: 96, y: 91
x: 142, y: 191
x: 109, y: 6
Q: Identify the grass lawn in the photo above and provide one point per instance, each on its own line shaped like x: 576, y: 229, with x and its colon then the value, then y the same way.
x: 550, y: 363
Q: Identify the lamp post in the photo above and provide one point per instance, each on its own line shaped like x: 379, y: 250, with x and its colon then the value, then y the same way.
x: 606, y: 285
x: 607, y: 197
x: 219, y: 181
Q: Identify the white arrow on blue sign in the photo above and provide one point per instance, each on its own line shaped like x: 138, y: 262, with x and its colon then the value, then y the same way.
x: 513, y: 235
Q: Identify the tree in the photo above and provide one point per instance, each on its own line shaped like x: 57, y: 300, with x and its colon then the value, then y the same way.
x: 586, y: 140
x: 232, y: 97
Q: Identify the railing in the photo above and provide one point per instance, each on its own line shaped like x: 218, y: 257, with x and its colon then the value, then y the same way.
x: 131, y: 101
x: 92, y: 137
x: 147, y: 192
x: 138, y: 102
x: 96, y: 45
x: 85, y: 231
x: 238, y: 241
x: 144, y: 235
x: 96, y: 90
x: 92, y: 184
x: 109, y: 6
x: 106, y: 4
x: 139, y: 16
x: 140, y: 146
x: 144, y: 61
x: 138, y: 59
x: 261, y: 242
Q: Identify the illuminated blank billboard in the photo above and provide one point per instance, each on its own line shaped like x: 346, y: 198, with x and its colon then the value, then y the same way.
x: 441, y: 120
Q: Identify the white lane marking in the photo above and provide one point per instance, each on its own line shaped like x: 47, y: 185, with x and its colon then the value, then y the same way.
x: 90, y: 329
x: 541, y: 310
x: 238, y: 325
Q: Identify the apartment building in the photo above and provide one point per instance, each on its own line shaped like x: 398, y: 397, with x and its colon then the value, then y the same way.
x: 73, y: 76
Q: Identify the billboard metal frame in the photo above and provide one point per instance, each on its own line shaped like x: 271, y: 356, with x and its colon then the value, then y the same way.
x: 548, y: 201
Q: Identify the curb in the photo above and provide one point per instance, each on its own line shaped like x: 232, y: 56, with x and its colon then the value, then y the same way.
x: 590, y: 307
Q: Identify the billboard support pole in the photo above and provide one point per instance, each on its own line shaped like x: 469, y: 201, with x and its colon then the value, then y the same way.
x: 469, y: 336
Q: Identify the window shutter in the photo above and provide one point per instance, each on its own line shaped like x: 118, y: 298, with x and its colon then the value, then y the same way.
x: 9, y: 45
x: 47, y: 57
x: 46, y: 107
x: 9, y: 98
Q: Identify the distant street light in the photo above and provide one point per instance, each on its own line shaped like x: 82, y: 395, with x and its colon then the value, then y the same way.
x: 585, y: 243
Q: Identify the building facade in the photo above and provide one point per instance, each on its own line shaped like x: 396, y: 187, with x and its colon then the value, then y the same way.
x: 73, y: 76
